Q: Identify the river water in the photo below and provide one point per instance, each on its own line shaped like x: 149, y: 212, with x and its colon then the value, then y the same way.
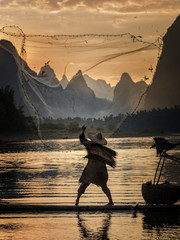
x: 47, y: 172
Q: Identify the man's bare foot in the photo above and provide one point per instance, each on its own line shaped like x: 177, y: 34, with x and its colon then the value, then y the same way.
x: 110, y: 204
x: 76, y: 204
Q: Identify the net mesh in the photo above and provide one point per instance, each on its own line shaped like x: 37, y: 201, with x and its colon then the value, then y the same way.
x: 103, y: 56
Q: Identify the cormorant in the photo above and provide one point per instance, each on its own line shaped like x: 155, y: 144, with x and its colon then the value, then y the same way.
x: 161, y: 145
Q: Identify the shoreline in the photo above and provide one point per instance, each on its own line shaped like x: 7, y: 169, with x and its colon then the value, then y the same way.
x: 22, y: 137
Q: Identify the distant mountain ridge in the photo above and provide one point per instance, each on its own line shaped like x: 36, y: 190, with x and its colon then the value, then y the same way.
x: 64, y: 81
x: 76, y: 100
x: 100, y: 87
x: 78, y: 85
x: 86, y: 97
x: 126, y: 95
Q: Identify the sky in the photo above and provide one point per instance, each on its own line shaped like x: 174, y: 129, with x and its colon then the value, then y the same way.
x: 149, y: 19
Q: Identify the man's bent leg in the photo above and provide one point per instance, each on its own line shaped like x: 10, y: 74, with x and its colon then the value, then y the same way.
x: 81, y: 190
x: 108, y: 194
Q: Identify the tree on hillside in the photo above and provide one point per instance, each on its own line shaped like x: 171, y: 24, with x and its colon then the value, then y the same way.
x: 12, y: 118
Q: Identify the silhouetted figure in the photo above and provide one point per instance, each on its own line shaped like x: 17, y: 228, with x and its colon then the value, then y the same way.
x: 95, y: 171
x: 163, y: 145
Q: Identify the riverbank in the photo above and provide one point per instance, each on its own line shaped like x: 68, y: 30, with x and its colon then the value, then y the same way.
x: 30, y: 136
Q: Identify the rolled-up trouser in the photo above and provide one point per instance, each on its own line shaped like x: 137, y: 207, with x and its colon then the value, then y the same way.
x: 83, y: 187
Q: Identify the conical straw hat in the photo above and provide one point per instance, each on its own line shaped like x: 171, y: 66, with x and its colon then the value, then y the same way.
x: 97, y: 138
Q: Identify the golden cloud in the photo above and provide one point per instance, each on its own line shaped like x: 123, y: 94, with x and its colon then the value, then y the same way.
x: 106, y: 5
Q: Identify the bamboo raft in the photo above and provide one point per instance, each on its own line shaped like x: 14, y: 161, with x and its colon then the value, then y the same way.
x: 25, y: 208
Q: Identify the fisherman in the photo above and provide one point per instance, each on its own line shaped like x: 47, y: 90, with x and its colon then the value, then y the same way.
x: 95, y: 171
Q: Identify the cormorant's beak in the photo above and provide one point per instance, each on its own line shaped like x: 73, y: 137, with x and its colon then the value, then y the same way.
x: 153, y: 145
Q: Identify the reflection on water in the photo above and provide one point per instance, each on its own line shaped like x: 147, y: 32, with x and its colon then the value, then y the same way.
x: 162, y: 225
x: 160, y: 219
x: 97, y: 226
x: 100, y: 233
x: 31, y: 172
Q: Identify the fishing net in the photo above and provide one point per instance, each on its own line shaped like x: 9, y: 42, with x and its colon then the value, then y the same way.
x: 42, y: 60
